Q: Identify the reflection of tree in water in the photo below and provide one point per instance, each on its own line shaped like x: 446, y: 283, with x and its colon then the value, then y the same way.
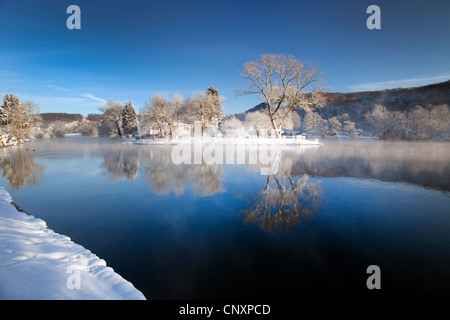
x: 284, y: 202
x: 158, y: 176
x: 121, y: 164
x: 207, y: 178
x: 164, y: 176
x: 422, y: 163
x: 19, y: 168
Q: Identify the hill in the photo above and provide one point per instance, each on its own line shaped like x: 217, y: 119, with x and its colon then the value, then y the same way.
x: 358, y: 104
x: 64, y: 117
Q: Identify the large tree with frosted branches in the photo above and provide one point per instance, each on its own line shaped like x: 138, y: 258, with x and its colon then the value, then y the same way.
x: 283, y: 83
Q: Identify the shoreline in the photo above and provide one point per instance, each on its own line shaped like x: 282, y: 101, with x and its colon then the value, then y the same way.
x: 236, y: 141
x: 38, y: 264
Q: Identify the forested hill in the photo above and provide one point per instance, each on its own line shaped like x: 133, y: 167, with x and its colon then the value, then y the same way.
x: 64, y: 117
x: 357, y: 104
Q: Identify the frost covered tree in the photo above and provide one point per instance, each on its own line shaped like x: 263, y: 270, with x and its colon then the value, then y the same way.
x: 421, y: 123
x: 205, y: 107
x: 129, y: 119
x: 315, y: 124
x: 419, y: 126
x: 440, y: 120
x: 88, y: 129
x: 350, y: 129
x: 334, y: 126
x: 233, y: 127
x: 258, y: 121
x: 59, y: 129
x: 292, y: 121
x: 284, y: 84
x: 18, y: 117
x: 378, y: 119
x: 165, y: 113
x: 112, y: 119
x: 387, y: 124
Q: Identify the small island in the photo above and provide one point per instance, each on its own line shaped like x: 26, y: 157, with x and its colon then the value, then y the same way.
x: 252, y: 150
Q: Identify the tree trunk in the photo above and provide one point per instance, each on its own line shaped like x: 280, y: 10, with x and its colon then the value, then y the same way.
x: 274, y: 127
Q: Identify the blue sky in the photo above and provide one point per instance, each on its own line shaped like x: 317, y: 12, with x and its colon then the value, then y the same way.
x: 129, y: 50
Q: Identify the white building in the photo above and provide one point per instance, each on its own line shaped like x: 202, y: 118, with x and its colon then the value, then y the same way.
x: 183, y: 130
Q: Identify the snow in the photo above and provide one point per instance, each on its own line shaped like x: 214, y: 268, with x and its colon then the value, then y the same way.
x: 38, y: 264
x: 237, y: 141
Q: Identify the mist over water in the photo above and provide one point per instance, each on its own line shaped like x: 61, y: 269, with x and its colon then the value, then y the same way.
x: 185, y: 231
x: 422, y: 163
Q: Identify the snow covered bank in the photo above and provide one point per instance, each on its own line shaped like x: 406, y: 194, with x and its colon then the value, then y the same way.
x: 238, y: 141
x: 6, y: 140
x: 37, y: 263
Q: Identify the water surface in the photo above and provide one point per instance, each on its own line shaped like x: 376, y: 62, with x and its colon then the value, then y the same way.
x: 207, y: 231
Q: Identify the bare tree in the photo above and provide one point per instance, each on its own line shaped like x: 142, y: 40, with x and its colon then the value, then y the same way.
x: 233, y: 127
x: 350, y: 129
x: 283, y: 83
x: 164, y: 113
x: 421, y: 123
x: 205, y: 107
x: 387, y: 124
x: 88, y: 128
x: 440, y: 120
x: 418, y: 123
x: 258, y: 121
x: 334, y: 126
x: 315, y: 124
x: 59, y: 129
x: 112, y: 112
x: 292, y: 121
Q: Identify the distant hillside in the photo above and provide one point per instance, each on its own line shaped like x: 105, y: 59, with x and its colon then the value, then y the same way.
x: 357, y: 104
x: 64, y: 117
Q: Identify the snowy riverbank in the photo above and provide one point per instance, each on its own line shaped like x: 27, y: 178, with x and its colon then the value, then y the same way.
x: 237, y: 141
x: 37, y: 263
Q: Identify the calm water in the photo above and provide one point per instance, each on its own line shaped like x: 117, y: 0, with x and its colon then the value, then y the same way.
x: 225, y: 231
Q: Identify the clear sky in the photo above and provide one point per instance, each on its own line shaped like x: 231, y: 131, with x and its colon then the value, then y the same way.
x: 129, y: 50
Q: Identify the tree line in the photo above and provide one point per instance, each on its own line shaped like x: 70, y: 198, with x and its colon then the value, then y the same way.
x: 284, y: 84
x: 421, y: 123
x: 163, y: 114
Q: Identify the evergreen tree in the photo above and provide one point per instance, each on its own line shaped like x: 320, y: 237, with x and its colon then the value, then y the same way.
x: 17, y: 116
x: 11, y: 103
x: 212, y: 91
x: 129, y: 119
